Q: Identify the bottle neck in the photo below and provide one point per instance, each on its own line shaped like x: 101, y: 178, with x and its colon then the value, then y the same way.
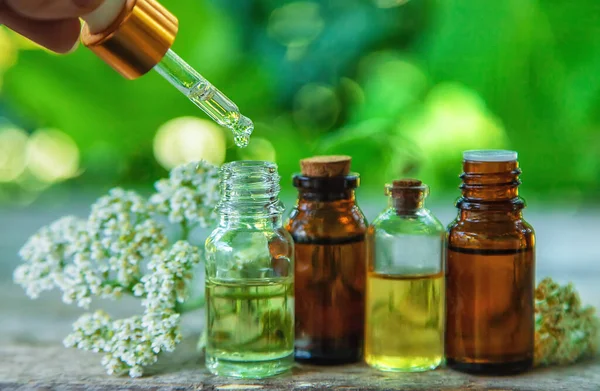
x: 319, y: 201
x: 346, y: 197
x: 490, y: 187
x: 406, y: 196
x: 490, y: 215
x: 403, y: 207
x: 252, y: 222
x: 250, y: 195
x: 338, y: 189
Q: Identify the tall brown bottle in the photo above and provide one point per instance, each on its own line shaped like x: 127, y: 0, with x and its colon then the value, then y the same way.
x: 490, y: 270
x: 329, y: 234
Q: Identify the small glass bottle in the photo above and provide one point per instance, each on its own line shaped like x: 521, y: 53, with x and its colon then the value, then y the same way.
x: 329, y: 231
x: 405, y: 283
x: 490, y: 270
x: 249, y: 277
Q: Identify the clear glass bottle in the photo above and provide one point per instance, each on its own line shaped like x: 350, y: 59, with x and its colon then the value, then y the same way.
x: 405, y: 283
x: 249, y: 277
x: 329, y: 232
x: 490, y: 270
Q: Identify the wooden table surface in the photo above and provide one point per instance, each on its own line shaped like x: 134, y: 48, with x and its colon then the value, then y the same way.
x: 53, y: 367
x: 32, y: 355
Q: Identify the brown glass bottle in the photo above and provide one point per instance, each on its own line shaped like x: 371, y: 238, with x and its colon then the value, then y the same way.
x: 329, y: 233
x: 490, y: 270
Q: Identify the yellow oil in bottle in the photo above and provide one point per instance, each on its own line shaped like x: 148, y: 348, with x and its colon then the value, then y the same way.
x: 404, y: 322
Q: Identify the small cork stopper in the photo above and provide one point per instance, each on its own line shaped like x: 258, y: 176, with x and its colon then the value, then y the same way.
x: 407, y: 194
x: 409, y: 182
x: 326, y: 166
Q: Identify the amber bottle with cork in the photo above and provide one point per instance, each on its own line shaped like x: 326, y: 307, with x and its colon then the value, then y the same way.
x: 405, y: 283
x: 329, y: 231
x: 490, y: 270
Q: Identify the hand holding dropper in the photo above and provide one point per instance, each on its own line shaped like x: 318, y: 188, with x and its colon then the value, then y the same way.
x: 133, y: 37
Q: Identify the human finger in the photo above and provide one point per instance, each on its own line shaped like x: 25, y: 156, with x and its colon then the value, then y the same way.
x: 52, y: 9
x: 60, y: 36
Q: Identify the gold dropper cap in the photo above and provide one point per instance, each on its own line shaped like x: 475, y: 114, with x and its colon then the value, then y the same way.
x: 137, y: 40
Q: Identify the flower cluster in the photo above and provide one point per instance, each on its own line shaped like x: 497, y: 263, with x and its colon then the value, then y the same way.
x: 565, y: 331
x: 98, y: 257
x: 189, y: 195
x: 45, y: 254
x: 134, y: 343
x: 122, y: 249
x: 166, y: 285
x: 123, y: 235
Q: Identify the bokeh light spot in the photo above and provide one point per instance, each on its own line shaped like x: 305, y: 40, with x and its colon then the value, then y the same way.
x: 352, y: 92
x: 316, y: 106
x: 389, y: 3
x: 258, y: 149
x: 391, y: 83
x: 186, y: 139
x: 455, y: 118
x: 13, y: 144
x: 9, y: 52
x: 52, y: 156
x: 296, y: 24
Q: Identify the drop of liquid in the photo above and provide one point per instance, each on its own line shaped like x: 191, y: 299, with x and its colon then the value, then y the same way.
x: 222, y: 110
x: 242, y: 129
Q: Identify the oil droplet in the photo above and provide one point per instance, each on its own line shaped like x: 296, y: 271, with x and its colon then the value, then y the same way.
x: 242, y: 130
x: 222, y: 110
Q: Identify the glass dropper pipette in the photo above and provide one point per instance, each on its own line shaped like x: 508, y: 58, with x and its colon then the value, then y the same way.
x: 204, y: 95
x: 135, y: 36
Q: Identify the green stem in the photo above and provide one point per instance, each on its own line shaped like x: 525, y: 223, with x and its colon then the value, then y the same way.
x: 190, y: 305
x: 126, y: 289
x: 185, y: 231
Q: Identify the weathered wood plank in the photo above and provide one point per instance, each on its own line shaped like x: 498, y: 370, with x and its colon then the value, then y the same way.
x: 32, y: 357
x: 53, y: 367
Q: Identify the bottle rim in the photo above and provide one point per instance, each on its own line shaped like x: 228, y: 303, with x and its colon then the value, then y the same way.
x: 327, y: 184
x: 249, y: 164
x: 391, y: 188
x: 490, y: 155
x: 249, y: 187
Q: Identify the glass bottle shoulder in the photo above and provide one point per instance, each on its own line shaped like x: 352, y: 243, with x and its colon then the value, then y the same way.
x: 508, y: 233
x: 423, y: 222
x: 240, y: 238
x: 242, y: 253
x: 328, y: 219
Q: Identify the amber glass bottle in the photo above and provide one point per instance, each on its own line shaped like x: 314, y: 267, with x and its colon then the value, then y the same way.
x: 490, y: 270
x: 329, y: 235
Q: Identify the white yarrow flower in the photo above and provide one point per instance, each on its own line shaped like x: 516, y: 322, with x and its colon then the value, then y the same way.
x: 121, y: 249
x: 45, y: 254
x: 189, y: 195
x: 134, y: 343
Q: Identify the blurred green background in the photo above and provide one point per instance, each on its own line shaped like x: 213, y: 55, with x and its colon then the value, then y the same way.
x: 402, y: 86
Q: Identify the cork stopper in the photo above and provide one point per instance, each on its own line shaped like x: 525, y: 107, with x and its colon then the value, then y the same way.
x: 407, y: 183
x: 407, y: 194
x: 326, y: 166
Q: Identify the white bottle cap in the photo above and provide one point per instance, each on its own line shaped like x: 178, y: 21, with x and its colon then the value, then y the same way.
x: 490, y: 155
x: 104, y: 15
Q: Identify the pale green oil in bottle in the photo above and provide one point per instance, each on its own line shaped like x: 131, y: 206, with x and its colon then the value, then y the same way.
x: 250, y: 327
